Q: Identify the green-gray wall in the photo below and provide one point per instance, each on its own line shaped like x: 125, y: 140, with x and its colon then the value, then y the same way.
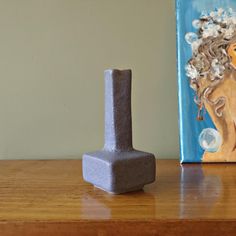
x: 52, y: 57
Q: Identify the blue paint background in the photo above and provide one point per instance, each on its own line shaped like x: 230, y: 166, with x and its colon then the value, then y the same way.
x: 190, y: 128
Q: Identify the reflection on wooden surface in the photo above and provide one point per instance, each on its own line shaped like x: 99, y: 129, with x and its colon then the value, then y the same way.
x: 50, y: 197
x: 199, y: 191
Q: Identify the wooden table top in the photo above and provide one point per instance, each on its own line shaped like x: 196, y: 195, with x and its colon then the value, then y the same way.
x: 50, y: 198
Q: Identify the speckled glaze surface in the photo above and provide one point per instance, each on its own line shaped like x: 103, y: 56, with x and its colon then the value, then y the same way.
x: 118, y: 167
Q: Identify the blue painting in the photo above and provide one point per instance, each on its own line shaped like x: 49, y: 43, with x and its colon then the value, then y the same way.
x: 206, y: 49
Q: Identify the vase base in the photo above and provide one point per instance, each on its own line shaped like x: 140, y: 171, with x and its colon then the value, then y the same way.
x: 119, y: 172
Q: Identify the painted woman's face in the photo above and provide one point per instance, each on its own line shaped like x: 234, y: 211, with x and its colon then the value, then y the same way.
x: 232, y: 53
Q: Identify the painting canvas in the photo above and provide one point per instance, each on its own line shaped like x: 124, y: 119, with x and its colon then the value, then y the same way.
x: 206, y: 49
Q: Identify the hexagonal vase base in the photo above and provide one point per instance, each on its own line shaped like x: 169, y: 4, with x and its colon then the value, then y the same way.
x: 119, y: 172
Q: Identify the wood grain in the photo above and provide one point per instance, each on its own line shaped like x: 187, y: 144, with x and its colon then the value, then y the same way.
x: 51, y: 198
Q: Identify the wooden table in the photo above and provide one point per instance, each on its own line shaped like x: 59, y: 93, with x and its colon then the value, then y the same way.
x: 51, y: 198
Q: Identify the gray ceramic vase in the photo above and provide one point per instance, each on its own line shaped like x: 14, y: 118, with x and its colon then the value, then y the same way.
x: 118, y: 167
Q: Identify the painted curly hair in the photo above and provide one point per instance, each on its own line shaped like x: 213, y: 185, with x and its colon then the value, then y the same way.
x: 210, y: 60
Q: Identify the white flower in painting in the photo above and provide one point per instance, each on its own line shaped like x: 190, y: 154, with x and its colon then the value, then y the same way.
x: 216, y: 68
x: 229, y: 18
x: 210, y: 29
x: 220, y: 11
x: 233, y: 17
x: 191, y: 37
x: 195, y: 45
x: 230, y: 10
x: 197, y: 24
x: 191, y: 71
x: 213, y: 14
x: 228, y: 33
x: 204, y: 15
